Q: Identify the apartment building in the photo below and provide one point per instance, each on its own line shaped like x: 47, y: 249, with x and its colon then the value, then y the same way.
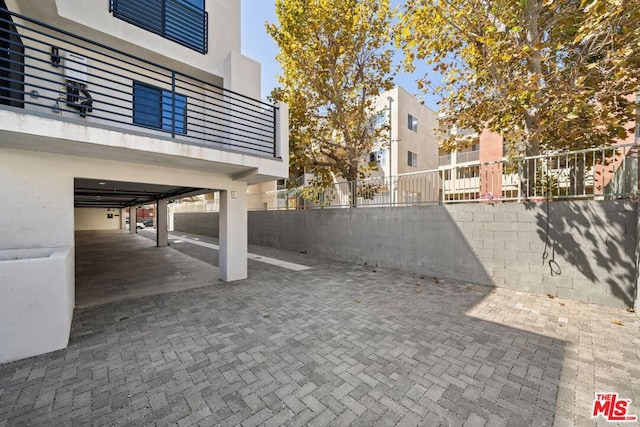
x: 413, y: 146
x: 110, y: 105
x: 478, y: 170
x: 410, y: 147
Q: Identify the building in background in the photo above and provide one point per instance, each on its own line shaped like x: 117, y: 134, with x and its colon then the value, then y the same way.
x: 413, y: 143
x: 111, y: 105
x: 478, y: 170
x: 410, y: 148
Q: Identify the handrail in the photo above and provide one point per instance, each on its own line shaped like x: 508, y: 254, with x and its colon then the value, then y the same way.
x: 51, y: 69
x: 594, y: 173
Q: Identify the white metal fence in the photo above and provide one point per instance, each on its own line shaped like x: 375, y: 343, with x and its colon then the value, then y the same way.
x: 595, y: 173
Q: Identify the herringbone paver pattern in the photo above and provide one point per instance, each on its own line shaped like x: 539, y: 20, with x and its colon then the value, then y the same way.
x: 340, y: 344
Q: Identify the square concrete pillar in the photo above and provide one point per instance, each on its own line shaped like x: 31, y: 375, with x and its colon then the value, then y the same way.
x: 133, y: 219
x: 233, y: 234
x: 162, y: 235
x: 123, y: 219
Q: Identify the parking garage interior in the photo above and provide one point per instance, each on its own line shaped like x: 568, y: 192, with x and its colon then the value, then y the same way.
x: 112, y: 261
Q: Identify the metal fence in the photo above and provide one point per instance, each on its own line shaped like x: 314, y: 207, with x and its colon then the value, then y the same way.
x: 596, y: 173
x: 49, y: 71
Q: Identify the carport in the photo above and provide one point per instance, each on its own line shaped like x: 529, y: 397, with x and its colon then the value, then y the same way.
x: 96, y: 193
x: 113, y: 264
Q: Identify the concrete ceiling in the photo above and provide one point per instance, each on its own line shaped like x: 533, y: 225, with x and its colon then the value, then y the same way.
x: 119, y: 194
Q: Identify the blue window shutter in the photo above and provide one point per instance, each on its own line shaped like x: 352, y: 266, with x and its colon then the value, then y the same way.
x: 183, y: 21
x: 180, y: 115
x: 197, y: 3
x: 146, y: 105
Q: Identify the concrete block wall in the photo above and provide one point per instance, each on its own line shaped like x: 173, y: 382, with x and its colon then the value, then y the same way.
x: 592, y: 244
x: 203, y: 223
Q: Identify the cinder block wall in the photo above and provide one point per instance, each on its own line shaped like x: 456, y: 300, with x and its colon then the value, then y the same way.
x: 592, y: 244
x: 203, y: 223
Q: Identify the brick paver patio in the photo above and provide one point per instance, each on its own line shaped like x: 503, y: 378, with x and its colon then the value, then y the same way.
x: 339, y: 344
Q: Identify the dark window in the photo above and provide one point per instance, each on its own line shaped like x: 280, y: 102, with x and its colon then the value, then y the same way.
x: 412, y: 159
x: 153, y: 108
x: 183, y: 21
x: 11, y: 61
x: 412, y: 123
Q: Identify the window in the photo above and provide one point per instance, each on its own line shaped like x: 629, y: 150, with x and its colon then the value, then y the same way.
x: 11, y: 62
x: 153, y: 108
x: 412, y: 159
x: 183, y: 21
x: 412, y: 123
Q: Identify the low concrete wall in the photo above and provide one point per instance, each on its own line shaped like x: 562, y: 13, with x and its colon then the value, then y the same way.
x: 590, y: 246
x: 38, y: 296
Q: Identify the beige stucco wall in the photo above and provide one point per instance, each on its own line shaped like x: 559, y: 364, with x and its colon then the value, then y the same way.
x: 423, y: 142
x: 97, y: 218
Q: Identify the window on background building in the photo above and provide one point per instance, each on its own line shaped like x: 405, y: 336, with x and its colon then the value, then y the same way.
x: 378, y: 120
x: 412, y: 159
x: 475, y: 147
x: 382, y: 157
x: 153, y: 108
x: 412, y: 123
x: 183, y: 21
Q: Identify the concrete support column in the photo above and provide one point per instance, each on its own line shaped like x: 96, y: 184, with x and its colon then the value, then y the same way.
x: 123, y: 219
x: 133, y: 219
x: 162, y: 236
x: 233, y: 234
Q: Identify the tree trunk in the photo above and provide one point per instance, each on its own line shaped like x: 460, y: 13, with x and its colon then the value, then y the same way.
x: 576, y: 182
x: 532, y: 115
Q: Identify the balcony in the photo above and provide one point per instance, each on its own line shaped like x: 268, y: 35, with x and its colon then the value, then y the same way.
x: 49, y: 72
x: 460, y: 157
x: 444, y: 160
x: 468, y: 156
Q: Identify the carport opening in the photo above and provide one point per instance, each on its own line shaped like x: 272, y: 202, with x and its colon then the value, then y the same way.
x: 112, y: 263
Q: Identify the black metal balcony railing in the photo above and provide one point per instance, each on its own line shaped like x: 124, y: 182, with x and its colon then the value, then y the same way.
x: 44, y: 69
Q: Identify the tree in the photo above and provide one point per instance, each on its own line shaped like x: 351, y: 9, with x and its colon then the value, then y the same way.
x: 336, y: 56
x: 546, y: 74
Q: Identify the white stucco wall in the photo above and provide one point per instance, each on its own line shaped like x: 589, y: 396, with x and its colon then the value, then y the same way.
x: 38, y: 296
x: 97, y: 219
x: 93, y: 20
x: 38, y: 192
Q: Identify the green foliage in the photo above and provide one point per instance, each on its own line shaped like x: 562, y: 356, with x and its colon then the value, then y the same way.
x: 550, y: 74
x: 318, y: 195
x: 367, y: 191
x: 336, y: 56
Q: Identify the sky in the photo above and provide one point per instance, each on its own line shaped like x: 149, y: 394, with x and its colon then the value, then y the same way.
x: 258, y: 45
